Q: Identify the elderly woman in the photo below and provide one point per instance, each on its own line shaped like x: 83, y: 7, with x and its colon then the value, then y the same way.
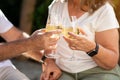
x: 96, y: 48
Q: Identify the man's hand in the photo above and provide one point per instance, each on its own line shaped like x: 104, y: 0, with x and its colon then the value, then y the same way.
x: 44, y: 40
x: 50, y: 71
x: 36, y: 54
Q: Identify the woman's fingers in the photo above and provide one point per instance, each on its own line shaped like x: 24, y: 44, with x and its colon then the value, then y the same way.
x: 73, y: 36
x: 67, y: 39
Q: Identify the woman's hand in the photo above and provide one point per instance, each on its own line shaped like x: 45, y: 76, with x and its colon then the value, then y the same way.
x: 80, y: 42
x: 50, y: 71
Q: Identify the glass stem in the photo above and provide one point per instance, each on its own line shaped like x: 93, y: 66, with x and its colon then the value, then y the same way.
x: 73, y: 56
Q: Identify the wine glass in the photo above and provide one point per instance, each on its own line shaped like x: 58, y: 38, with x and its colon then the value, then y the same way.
x: 52, y: 24
x: 70, y: 28
x: 75, y: 31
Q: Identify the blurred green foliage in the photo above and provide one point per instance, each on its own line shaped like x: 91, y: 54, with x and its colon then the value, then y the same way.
x: 40, y: 14
x: 11, y: 9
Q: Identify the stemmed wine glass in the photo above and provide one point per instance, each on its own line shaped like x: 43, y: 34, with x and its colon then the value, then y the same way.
x: 75, y: 31
x: 70, y: 28
x: 52, y: 24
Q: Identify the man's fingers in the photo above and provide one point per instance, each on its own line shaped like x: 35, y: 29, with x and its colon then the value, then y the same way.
x: 43, y: 30
x: 40, y: 31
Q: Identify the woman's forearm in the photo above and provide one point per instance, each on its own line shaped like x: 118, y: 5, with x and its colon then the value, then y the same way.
x: 106, y: 58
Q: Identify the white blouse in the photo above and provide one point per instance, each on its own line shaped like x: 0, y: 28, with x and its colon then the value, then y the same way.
x: 5, y: 25
x: 102, y: 19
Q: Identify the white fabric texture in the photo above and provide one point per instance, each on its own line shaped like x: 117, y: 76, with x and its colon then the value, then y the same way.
x: 5, y: 25
x: 10, y: 73
x: 103, y: 19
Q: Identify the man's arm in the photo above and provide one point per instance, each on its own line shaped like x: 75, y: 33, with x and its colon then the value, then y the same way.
x: 14, y: 48
x: 36, y: 55
x: 18, y: 42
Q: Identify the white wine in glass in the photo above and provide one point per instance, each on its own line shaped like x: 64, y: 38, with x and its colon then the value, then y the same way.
x: 52, y: 24
x: 65, y: 31
x: 73, y: 27
x: 50, y: 27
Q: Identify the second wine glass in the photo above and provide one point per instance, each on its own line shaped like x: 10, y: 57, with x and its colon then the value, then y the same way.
x: 72, y: 27
x: 52, y: 24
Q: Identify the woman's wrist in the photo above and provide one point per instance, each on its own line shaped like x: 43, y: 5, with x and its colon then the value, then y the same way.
x: 49, y: 60
x: 94, y: 51
x: 45, y: 60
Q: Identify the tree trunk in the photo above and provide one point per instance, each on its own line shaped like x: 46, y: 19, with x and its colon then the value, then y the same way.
x: 26, y: 18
